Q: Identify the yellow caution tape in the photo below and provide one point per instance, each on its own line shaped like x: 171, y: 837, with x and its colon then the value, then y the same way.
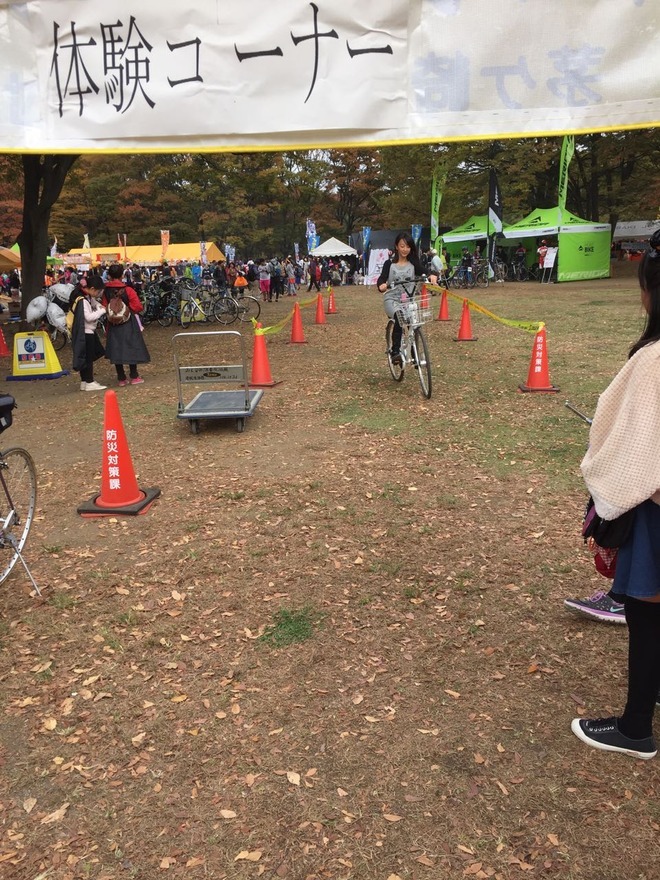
x: 276, y: 328
x: 529, y: 326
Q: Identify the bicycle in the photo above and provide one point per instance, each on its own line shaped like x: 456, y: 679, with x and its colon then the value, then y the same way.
x: 223, y: 309
x: 18, y: 498
x: 248, y: 306
x: 411, y: 314
x: 518, y: 271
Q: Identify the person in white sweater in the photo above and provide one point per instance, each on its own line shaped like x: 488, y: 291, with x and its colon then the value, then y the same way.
x: 622, y: 473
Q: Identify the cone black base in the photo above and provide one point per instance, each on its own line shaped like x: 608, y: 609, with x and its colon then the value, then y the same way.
x: 552, y: 389
x: 91, y: 509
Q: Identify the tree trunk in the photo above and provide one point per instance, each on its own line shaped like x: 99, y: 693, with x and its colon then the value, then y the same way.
x: 43, y: 179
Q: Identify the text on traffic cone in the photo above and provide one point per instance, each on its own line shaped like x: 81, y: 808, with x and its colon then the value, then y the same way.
x: 538, y: 377
x: 120, y: 492
x: 332, y: 308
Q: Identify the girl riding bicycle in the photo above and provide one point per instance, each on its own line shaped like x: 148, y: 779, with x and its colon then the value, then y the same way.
x: 404, y: 266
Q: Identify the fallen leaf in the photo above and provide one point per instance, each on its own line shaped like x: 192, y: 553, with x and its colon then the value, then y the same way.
x: 357, y: 699
x: 228, y: 814
x: 554, y: 840
x: 244, y: 855
x: 29, y: 804
x: 342, y: 793
x: 166, y: 863
x: 294, y: 778
x: 50, y: 723
x: 465, y: 849
x: 474, y: 868
x: 454, y: 694
x: 392, y: 817
x: 425, y: 860
x: 180, y: 698
x: 194, y: 862
x: 56, y: 816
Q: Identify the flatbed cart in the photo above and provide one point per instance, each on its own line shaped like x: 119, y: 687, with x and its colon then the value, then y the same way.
x: 235, y: 404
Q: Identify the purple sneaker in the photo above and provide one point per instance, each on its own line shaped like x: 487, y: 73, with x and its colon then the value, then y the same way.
x: 600, y: 606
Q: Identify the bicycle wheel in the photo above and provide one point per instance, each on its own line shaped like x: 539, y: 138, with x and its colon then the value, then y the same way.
x: 248, y: 308
x: 18, y: 498
x: 165, y: 320
x: 187, y: 314
x: 225, y: 310
x: 482, y: 279
x: 396, y: 370
x: 59, y: 339
x: 420, y: 351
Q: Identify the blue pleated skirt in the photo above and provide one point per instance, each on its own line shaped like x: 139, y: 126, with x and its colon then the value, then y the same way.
x: 638, y: 561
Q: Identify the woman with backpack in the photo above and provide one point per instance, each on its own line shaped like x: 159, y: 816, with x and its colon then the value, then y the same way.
x: 124, y: 342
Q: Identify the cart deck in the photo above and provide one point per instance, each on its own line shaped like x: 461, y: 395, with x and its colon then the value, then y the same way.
x: 235, y: 404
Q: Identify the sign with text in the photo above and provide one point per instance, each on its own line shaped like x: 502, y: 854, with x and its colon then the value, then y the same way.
x: 79, y: 75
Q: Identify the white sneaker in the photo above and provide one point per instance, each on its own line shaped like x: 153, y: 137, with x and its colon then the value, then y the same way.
x: 83, y: 386
x: 94, y: 386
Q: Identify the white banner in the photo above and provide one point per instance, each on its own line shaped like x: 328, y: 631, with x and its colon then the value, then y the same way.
x: 79, y: 75
x: 377, y: 259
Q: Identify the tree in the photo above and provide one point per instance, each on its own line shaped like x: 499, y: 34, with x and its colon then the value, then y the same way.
x: 43, y: 179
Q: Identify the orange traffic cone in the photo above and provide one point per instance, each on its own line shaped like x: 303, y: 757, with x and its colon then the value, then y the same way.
x: 424, y: 298
x: 261, y: 375
x: 443, y: 314
x: 465, y: 330
x: 120, y: 493
x: 538, y: 378
x: 4, y: 349
x: 332, y: 308
x: 320, y: 314
x: 297, y: 334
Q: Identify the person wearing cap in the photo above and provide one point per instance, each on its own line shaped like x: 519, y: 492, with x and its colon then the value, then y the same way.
x: 85, y: 343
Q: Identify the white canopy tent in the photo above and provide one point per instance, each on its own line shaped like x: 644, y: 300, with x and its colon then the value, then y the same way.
x: 635, y: 229
x: 333, y: 248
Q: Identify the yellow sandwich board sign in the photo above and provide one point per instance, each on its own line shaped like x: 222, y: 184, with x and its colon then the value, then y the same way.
x: 35, y: 358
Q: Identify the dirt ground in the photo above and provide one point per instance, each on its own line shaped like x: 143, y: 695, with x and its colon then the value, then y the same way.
x: 150, y: 723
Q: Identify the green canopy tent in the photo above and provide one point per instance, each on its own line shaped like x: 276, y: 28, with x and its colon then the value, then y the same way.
x: 474, y: 229
x: 584, y: 247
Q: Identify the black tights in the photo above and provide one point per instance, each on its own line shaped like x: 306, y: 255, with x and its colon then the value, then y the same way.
x: 643, y: 619
x: 397, y: 332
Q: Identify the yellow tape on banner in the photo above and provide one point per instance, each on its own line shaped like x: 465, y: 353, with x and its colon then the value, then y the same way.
x: 528, y: 326
x: 277, y: 328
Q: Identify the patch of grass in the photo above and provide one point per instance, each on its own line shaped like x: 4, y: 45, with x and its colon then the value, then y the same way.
x: 291, y: 626
x: 62, y: 601
x: 111, y: 640
x: 128, y: 618
x: 53, y: 548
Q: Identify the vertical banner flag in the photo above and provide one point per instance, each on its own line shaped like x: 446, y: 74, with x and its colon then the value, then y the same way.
x: 310, y: 234
x: 439, y: 180
x: 567, y: 150
x: 416, y: 230
x: 366, y: 239
x: 164, y: 242
x: 203, y: 259
x: 296, y: 250
x: 86, y: 243
x: 53, y: 250
x: 494, y: 223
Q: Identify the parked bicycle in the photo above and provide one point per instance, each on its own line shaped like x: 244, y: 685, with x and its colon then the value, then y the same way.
x: 414, y: 351
x: 18, y: 498
x: 222, y: 308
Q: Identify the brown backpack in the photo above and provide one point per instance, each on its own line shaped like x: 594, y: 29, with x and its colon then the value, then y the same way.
x: 117, y: 310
